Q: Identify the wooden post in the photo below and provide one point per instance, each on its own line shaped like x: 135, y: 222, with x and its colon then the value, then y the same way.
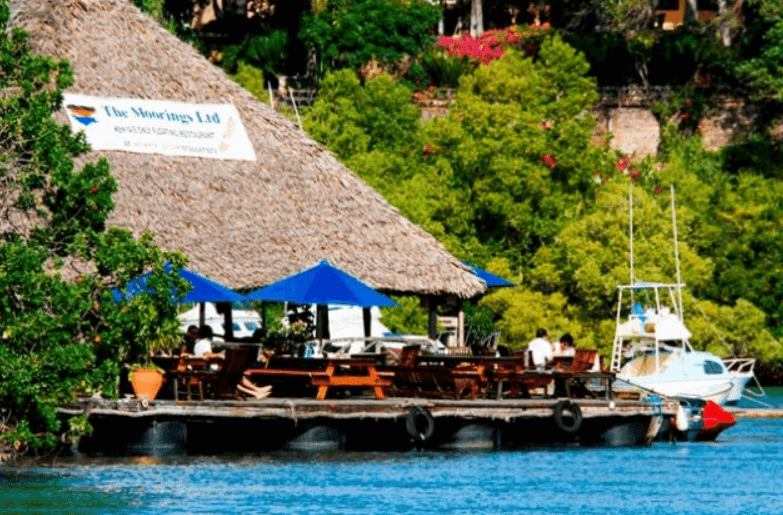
x: 433, y: 328
x: 228, y: 321
x: 461, y: 327
x: 202, y: 313
x: 367, y: 317
x: 322, y: 322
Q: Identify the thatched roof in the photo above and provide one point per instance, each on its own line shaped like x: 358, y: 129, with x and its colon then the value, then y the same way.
x: 245, y: 224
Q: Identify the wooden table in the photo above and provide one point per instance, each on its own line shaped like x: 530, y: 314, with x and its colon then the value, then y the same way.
x: 481, y: 367
x: 327, y: 373
x: 466, y: 372
x: 568, y: 383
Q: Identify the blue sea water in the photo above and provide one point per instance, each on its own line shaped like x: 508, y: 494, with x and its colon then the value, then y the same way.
x: 741, y: 472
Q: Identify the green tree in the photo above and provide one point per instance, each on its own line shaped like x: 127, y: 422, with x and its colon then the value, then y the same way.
x: 517, y: 146
x: 591, y: 257
x: 60, y: 330
x: 353, y: 119
x: 351, y: 33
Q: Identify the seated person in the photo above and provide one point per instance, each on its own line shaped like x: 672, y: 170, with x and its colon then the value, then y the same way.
x: 567, y: 345
x: 203, y: 346
x: 189, y: 340
x: 541, y: 349
x: 258, y: 392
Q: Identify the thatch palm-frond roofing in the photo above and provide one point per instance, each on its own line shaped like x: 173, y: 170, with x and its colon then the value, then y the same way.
x: 245, y: 224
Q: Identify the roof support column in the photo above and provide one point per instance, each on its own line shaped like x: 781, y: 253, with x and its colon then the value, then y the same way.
x: 367, y: 319
x: 461, y: 326
x: 322, y: 322
x: 228, y: 321
x: 432, y: 303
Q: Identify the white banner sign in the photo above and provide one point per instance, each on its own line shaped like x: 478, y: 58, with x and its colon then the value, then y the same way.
x: 158, y: 127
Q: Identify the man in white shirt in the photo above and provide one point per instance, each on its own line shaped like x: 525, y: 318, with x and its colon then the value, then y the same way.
x: 203, y: 345
x: 540, y: 348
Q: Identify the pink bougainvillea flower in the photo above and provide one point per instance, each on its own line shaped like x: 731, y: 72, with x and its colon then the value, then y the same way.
x: 549, y: 161
x: 658, y: 190
x: 446, y: 41
x: 623, y: 162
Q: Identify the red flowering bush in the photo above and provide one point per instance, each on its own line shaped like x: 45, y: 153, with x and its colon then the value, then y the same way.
x: 490, y: 45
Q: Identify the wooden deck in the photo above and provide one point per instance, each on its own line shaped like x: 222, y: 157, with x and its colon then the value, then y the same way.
x: 209, y: 427
x: 359, y: 409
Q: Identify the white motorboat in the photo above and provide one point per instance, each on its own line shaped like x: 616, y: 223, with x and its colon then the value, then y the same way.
x: 652, y: 350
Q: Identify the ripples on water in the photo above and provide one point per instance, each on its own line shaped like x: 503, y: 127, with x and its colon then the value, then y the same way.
x: 743, y: 472
x: 740, y: 473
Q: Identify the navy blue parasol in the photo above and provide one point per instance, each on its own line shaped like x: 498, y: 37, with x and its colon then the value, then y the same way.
x: 322, y: 284
x: 492, y: 280
x: 203, y: 289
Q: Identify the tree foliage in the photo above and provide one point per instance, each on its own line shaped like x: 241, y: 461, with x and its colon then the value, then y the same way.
x: 351, y: 33
x: 60, y: 330
x: 512, y: 178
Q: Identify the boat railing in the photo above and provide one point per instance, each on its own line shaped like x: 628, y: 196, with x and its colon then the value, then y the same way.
x: 739, y: 365
x: 745, y: 366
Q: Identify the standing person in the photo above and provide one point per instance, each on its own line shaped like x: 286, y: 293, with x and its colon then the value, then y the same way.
x: 540, y: 348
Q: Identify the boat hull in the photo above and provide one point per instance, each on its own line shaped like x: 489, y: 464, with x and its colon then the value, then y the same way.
x: 717, y: 390
x: 739, y: 382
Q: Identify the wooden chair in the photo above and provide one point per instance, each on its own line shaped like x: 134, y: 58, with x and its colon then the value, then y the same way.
x: 413, y: 380
x: 189, y: 376
x: 584, y: 360
x: 223, y: 385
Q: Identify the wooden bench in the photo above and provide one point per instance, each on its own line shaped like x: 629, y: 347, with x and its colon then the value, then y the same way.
x: 350, y: 373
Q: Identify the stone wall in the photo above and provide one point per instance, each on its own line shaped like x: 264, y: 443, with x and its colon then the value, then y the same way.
x: 634, y: 130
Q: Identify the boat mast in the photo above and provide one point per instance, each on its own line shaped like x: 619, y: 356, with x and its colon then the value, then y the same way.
x: 630, y: 234
x: 677, y: 257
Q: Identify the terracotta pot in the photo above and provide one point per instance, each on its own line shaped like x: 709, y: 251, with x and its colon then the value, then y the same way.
x: 146, y: 383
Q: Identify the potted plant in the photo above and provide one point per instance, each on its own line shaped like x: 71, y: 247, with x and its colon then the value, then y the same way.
x: 146, y: 380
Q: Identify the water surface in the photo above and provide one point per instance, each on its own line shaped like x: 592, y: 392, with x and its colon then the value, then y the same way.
x: 742, y: 472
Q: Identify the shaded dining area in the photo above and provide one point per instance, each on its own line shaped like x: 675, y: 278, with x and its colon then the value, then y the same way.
x: 302, y: 366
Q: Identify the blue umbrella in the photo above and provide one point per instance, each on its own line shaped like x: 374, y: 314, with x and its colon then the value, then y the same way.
x: 322, y: 284
x: 203, y: 289
x: 492, y: 280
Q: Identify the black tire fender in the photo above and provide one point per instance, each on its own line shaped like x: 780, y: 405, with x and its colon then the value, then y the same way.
x: 562, y: 422
x: 419, y: 424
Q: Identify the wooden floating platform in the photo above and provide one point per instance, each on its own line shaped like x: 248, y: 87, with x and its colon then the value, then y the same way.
x: 164, y: 427
x: 756, y: 412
